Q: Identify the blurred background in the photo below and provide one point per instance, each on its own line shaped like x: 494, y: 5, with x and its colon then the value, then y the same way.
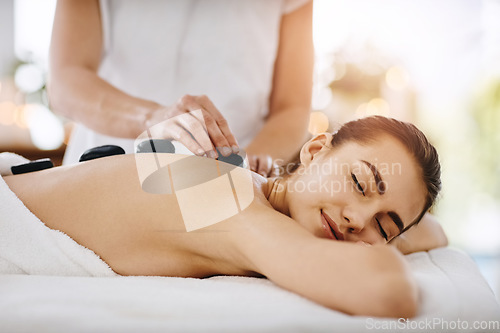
x: 433, y: 63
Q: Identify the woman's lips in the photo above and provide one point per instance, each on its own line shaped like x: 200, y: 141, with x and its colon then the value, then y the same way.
x: 330, y: 228
x: 326, y: 227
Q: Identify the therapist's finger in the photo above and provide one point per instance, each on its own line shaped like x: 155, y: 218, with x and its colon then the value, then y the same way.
x: 265, y: 164
x: 193, y: 122
x: 220, y: 123
x: 259, y: 164
x: 198, y: 132
x: 180, y: 134
x: 275, y: 170
x: 253, y: 162
x: 214, y: 132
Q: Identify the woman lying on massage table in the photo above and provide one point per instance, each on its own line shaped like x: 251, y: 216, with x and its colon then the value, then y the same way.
x: 320, y: 232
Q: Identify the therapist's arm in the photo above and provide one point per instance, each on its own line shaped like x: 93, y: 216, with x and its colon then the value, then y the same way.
x: 78, y: 93
x: 285, y: 130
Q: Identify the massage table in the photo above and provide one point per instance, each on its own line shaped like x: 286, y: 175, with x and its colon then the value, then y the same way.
x: 453, y: 295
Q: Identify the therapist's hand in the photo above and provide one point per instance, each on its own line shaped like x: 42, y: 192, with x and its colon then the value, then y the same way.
x: 195, y: 122
x: 263, y: 165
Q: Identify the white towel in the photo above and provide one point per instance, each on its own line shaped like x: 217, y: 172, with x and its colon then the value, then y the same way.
x: 9, y: 159
x: 28, y: 246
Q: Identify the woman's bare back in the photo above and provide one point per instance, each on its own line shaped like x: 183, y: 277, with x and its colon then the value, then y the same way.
x: 102, y: 205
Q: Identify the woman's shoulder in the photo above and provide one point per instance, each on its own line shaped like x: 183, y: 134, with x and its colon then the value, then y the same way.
x: 196, y: 180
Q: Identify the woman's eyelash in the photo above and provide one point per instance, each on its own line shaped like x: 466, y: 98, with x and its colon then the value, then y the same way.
x: 381, y: 229
x: 358, y: 185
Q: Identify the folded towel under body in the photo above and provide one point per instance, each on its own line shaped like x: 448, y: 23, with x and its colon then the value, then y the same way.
x: 7, y: 160
x: 28, y: 246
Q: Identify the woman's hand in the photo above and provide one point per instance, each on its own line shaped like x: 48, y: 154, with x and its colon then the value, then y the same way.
x: 195, y: 122
x: 426, y: 235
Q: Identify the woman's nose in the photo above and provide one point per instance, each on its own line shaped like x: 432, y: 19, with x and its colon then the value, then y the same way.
x: 354, y: 224
x: 356, y: 220
x: 358, y: 224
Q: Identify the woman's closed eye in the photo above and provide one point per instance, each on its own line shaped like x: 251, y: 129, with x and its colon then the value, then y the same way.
x: 381, y: 230
x: 357, y: 184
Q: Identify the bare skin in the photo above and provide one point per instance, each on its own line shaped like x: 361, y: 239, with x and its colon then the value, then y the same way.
x: 101, y: 205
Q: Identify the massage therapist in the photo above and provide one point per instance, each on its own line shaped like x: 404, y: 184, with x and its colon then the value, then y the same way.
x: 119, y: 67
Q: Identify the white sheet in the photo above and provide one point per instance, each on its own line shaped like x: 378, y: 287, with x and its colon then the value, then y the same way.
x: 450, y: 283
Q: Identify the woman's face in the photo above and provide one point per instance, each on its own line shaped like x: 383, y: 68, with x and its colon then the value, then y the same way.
x: 356, y: 192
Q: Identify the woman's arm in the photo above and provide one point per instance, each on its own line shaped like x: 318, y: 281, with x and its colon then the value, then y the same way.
x: 78, y: 93
x: 426, y: 235
x: 285, y: 129
x: 352, y: 278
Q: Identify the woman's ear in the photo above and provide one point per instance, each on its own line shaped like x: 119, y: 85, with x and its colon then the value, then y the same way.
x: 319, y: 143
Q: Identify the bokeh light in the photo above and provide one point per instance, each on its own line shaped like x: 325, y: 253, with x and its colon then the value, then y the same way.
x: 20, y: 117
x: 29, y: 78
x: 47, y: 131
x: 321, y: 98
x: 375, y: 107
x: 7, y: 110
x: 318, y: 123
x: 397, y: 78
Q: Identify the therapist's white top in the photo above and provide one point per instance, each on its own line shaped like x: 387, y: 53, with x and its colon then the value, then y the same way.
x: 163, y: 49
